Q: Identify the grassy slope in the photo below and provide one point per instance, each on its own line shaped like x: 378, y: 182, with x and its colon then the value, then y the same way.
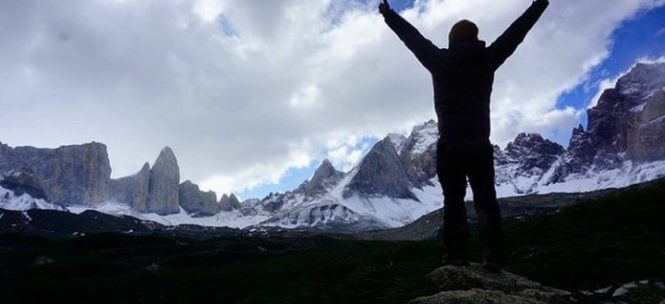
x: 616, y: 239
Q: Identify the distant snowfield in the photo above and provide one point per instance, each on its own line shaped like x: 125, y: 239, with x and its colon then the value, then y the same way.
x: 224, y: 219
x: 388, y: 211
x: 624, y: 176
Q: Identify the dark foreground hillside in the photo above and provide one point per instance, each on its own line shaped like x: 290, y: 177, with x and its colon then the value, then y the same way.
x: 615, y: 239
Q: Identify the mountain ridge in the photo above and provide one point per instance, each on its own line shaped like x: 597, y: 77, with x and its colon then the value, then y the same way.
x: 393, y: 185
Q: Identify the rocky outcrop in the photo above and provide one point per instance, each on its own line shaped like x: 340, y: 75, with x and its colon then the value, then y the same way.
x: 229, y: 203
x: 24, y: 182
x: 197, y: 202
x: 380, y: 173
x: 579, y: 157
x: 631, y: 117
x: 133, y: 190
x: 532, y: 151
x: 525, y: 161
x: 627, y: 124
x: 398, y: 141
x: 325, y: 216
x: 163, y: 194
x: 418, y: 153
x: 474, y: 284
x: 324, y: 178
x: 69, y: 175
x: 642, y: 91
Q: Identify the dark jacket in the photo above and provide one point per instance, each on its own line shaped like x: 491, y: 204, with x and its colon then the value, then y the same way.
x: 463, y: 74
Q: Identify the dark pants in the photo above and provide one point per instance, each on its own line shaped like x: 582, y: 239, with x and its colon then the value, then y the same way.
x: 456, y: 162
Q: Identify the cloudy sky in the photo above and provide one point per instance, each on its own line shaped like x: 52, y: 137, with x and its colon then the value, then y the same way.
x: 253, y: 94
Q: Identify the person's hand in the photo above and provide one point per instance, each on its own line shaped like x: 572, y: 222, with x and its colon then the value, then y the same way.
x: 384, y: 7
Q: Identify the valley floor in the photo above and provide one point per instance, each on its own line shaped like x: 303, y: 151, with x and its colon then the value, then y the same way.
x: 600, y: 242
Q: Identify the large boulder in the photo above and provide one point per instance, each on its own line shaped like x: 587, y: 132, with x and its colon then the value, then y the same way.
x: 473, y: 284
x: 477, y: 296
x: 163, y: 195
x: 197, y: 202
x: 133, y: 190
x: 70, y: 175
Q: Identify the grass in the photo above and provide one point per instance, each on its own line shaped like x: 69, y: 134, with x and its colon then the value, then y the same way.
x: 615, y: 239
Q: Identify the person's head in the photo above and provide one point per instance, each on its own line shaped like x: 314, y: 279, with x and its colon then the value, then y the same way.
x: 462, y: 31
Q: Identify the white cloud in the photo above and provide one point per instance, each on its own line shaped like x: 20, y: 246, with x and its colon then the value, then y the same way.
x: 344, y: 154
x: 240, y: 110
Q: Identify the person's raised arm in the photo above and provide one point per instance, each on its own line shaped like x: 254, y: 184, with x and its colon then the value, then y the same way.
x: 507, y: 43
x: 425, y: 50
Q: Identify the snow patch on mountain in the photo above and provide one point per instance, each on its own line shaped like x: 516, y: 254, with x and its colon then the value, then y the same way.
x: 424, y: 136
x: 10, y: 201
x: 398, y: 140
x: 232, y: 219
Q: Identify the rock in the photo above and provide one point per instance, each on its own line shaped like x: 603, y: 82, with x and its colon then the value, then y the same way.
x: 418, y: 153
x: 645, y: 137
x: 24, y: 182
x: 69, y: 175
x: 474, y: 284
x: 525, y: 161
x: 608, y: 122
x: 163, y: 195
x: 533, y: 152
x: 627, y: 124
x: 275, y: 201
x: 325, y: 216
x: 475, y: 276
x: 398, y: 141
x: 380, y: 173
x: 325, y: 177
x: 578, y: 158
x: 153, y: 267
x: 319, y: 216
x: 133, y: 190
x: 630, y: 118
x: 43, y: 260
x: 229, y: 203
x: 476, y: 296
x: 624, y: 289
x: 197, y: 202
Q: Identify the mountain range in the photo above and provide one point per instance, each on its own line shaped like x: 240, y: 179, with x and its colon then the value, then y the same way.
x: 393, y: 185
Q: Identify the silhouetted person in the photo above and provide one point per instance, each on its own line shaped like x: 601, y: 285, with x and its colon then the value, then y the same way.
x: 463, y: 76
